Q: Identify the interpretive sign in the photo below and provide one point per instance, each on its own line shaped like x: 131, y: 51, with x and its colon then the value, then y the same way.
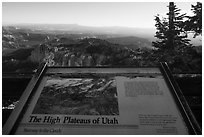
x: 100, y: 101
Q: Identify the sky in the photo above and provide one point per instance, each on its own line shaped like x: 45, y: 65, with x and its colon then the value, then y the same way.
x: 126, y: 14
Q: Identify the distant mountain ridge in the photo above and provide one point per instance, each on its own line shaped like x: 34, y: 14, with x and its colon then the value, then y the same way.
x: 131, y: 42
x: 77, y: 29
x: 26, y: 35
x: 30, y: 35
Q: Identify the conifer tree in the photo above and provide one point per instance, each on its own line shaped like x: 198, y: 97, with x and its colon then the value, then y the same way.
x: 170, y: 34
x: 194, y: 23
x: 172, y: 44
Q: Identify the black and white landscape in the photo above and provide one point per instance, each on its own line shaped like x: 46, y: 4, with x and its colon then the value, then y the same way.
x: 24, y: 46
x: 95, y: 35
x: 78, y: 96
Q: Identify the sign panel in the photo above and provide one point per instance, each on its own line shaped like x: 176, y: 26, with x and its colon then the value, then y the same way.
x: 102, y: 101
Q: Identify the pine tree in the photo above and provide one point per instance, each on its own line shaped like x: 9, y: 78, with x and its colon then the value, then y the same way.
x: 170, y: 33
x: 172, y: 44
x: 194, y: 23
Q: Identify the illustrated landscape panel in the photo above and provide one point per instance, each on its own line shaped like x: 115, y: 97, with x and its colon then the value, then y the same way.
x: 78, y: 96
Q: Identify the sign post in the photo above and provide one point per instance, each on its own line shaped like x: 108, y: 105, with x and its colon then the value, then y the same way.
x: 61, y: 100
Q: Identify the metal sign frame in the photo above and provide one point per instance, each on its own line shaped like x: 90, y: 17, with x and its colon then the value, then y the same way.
x: 17, y: 114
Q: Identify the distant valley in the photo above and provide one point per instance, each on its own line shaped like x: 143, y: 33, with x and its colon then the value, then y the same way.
x: 28, y: 35
x: 24, y: 46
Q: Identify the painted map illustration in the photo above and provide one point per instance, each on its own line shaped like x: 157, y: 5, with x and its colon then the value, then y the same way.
x: 78, y: 96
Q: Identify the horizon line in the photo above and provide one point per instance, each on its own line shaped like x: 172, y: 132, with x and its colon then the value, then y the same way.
x: 96, y: 26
